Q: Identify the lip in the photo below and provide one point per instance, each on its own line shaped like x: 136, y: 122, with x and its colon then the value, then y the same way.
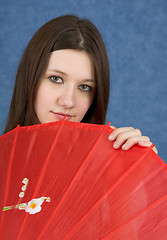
x: 60, y: 116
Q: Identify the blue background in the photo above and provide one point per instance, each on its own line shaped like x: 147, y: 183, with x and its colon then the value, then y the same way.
x: 135, y: 34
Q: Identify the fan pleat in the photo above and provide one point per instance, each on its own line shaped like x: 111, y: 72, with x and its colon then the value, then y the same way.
x: 9, y: 176
x: 71, y: 184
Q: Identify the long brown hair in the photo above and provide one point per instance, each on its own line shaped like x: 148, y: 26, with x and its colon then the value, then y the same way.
x: 65, y: 32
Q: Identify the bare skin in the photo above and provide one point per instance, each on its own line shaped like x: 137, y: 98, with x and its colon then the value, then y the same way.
x: 126, y: 137
x: 67, y: 88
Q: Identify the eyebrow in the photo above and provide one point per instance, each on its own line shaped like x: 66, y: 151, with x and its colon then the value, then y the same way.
x: 57, y: 71
x: 65, y: 74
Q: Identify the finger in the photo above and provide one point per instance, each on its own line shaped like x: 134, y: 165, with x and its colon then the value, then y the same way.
x: 155, y: 150
x: 112, y: 127
x: 117, y: 131
x: 124, y: 136
x: 146, y: 144
x: 144, y: 140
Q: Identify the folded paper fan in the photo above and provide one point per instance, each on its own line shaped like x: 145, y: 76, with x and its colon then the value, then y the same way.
x: 64, y: 180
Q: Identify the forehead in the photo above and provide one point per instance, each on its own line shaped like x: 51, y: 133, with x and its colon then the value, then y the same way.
x: 71, y: 62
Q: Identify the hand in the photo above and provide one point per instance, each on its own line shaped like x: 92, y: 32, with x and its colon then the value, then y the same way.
x: 126, y: 137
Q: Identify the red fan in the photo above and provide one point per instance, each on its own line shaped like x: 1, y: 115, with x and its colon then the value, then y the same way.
x: 64, y: 180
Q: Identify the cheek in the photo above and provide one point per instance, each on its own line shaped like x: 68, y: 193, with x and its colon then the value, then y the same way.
x: 43, y: 97
x: 46, y: 91
x: 85, y: 104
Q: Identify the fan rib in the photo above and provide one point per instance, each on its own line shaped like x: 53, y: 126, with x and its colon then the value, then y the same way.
x: 9, y: 175
x: 71, y: 184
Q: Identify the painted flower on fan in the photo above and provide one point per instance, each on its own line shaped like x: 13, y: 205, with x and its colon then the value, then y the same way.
x: 25, y: 181
x: 34, y: 206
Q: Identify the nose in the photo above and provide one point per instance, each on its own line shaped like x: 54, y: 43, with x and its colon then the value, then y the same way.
x: 67, y: 97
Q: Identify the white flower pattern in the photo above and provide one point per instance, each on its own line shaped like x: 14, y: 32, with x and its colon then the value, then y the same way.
x: 33, y: 206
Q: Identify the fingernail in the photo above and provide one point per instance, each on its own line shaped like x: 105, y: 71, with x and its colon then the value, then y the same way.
x: 115, y: 145
x: 124, y: 147
x: 111, y: 137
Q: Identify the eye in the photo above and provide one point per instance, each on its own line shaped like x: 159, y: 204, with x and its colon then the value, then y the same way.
x: 56, y: 79
x: 85, y: 88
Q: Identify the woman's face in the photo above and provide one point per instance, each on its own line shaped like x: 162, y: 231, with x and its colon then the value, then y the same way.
x: 67, y: 88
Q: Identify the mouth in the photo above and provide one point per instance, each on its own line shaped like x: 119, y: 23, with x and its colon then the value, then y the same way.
x: 61, y: 116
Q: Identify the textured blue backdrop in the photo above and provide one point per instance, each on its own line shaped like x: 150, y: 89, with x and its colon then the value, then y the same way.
x: 135, y: 35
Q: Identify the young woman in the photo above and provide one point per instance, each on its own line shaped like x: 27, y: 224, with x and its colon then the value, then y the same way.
x: 65, y: 72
